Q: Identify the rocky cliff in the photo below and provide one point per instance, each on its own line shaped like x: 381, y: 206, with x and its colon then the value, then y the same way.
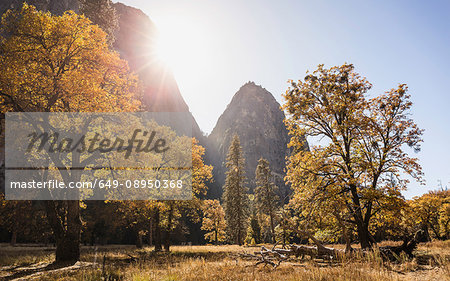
x: 256, y: 117
x: 135, y: 41
x: 56, y: 7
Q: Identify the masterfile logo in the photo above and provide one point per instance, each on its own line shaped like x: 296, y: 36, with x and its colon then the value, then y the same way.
x: 98, y: 156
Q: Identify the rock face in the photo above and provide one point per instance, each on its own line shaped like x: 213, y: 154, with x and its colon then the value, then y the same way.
x: 57, y: 7
x: 135, y: 41
x: 256, y: 117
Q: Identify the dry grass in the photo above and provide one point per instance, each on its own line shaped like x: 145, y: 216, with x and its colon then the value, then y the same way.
x: 221, y: 263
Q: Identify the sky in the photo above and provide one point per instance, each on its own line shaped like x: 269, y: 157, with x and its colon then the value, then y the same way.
x: 220, y: 45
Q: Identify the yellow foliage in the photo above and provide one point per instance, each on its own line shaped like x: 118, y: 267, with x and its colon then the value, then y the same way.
x: 60, y: 63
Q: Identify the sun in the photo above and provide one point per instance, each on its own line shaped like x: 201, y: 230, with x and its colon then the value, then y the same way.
x: 181, y: 45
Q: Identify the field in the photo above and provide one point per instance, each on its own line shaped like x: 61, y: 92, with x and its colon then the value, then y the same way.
x: 432, y: 262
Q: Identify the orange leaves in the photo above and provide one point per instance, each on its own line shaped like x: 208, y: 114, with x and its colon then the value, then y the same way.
x: 213, y: 221
x: 201, y: 173
x: 363, y: 141
x: 61, y: 63
x: 431, y: 211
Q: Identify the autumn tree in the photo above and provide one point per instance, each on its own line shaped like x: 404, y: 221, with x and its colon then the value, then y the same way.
x: 103, y: 222
x: 444, y: 218
x: 284, y: 230
x: 167, y: 214
x: 235, y: 196
x: 362, y: 148
x: 136, y: 215
x: 213, y: 221
x: 387, y: 222
x: 266, y: 193
x: 430, y: 213
x: 61, y: 64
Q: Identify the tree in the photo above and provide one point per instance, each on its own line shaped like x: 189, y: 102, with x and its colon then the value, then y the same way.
x: 164, y: 217
x: 135, y: 215
x: 213, y: 221
x: 160, y: 218
x: 265, y: 193
x: 253, y: 230
x: 444, y: 218
x: 235, y: 193
x: 362, y: 148
x: 201, y: 174
x: 23, y: 219
x: 430, y: 212
x: 61, y: 64
x: 284, y: 230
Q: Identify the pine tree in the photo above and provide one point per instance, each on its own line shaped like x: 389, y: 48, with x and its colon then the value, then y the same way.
x: 265, y: 193
x: 235, y: 193
x: 253, y: 230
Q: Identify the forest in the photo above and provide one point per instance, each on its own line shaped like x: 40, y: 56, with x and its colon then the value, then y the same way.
x: 345, y: 217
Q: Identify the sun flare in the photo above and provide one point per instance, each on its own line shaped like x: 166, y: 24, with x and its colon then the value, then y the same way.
x: 181, y: 45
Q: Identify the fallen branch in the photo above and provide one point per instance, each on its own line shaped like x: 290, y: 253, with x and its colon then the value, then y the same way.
x: 275, y: 256
x: 265, y: 256
x: 409, y: 245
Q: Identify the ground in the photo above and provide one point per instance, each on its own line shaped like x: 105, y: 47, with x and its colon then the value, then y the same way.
x: 215, y: 263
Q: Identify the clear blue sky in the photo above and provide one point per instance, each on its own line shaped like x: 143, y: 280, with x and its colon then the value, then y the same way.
x: 269, y: 42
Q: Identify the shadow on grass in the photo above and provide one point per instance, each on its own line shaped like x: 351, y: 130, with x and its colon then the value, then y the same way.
x: 22, y: 271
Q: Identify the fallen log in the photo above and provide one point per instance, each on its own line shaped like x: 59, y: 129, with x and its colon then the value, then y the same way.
x: 266, y: 257
x: 392, y: 253
x: 276, y: 256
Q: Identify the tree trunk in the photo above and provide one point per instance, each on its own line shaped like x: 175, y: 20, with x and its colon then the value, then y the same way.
x: 157, y: 236
x: 362, y: 223
x: 238, y: 240
x: 67, y: 250
x: 364, y: 235
x: 14, y: 238
x: 345, y: 231
x: 426, y: 234
x: 67, y: 235
x: 138, y: 239
x: 150, y: 233
x: 272, y: 230
x: 239, y: 237
x: 348, y: 240
x: 168, y: 230
x: 71, y: 240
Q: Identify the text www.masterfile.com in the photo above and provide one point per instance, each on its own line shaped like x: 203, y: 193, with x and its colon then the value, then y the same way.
x: 97, y: 183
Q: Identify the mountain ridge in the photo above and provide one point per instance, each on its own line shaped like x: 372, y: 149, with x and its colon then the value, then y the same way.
x: 256, y: 117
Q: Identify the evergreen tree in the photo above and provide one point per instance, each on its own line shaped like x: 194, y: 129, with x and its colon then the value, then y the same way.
x: 254, y: 230
x: 235, y: 193
x: 265, y: 193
